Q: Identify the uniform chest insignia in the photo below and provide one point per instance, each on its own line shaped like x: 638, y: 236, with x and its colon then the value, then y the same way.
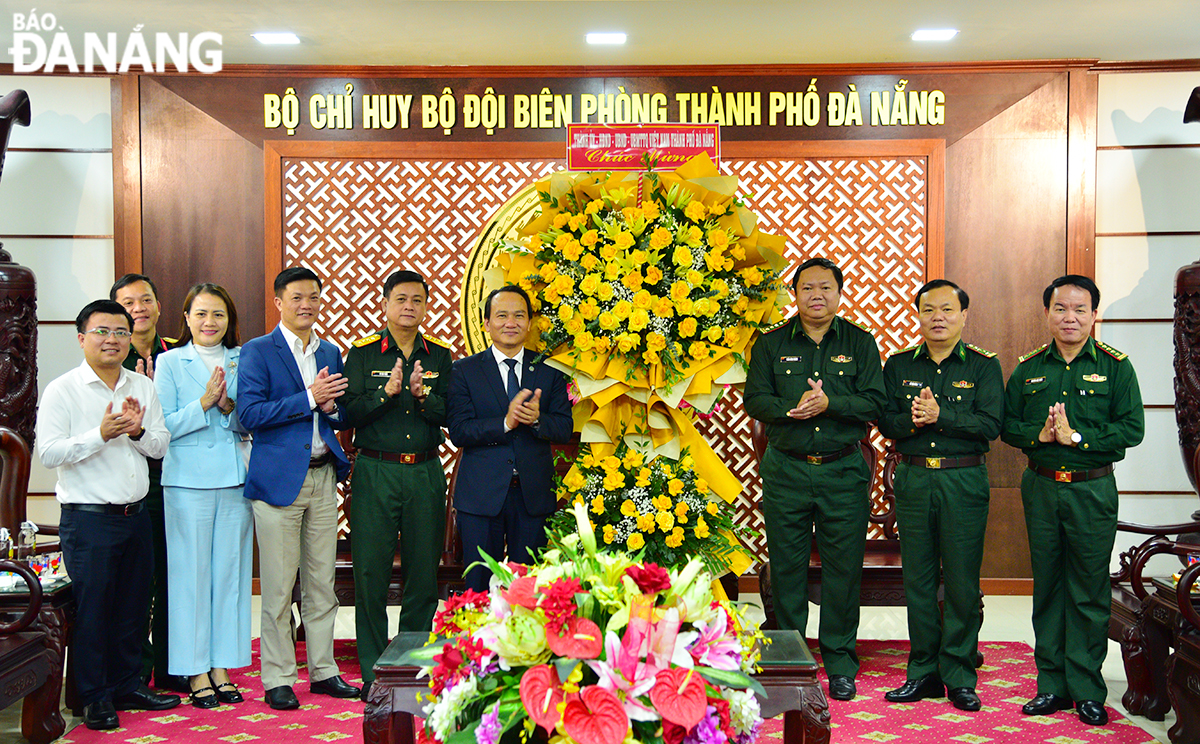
x: 790, y: 358
x: 841, y: 359
x: 429, y: 375
x: 912, y: 384
x: 1095, y: 378
x: 1034, y: 380
x: 962, y: 384
x: 381, y: 373
x: 368, y: 340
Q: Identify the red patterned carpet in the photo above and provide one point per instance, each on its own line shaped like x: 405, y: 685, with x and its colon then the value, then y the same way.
x: 1006, y: 681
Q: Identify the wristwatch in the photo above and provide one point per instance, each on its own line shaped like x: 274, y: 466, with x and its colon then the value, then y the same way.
x: 138, y: 436
x: 1076, y: 438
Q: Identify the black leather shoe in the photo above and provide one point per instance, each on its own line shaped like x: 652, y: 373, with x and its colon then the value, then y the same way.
x: 207, y: 702
x: 143, y: 699
x: 228, y: 692
x: 282, y: 698
x: 334, y: 687
x: 366, y: 692
x: 173, y: 682
x: 913, y: 690
x: 964, y: 698
x: 842, y: 687
x: 101, y: 716
x: 1092, y: 712
x: 1045, y: 703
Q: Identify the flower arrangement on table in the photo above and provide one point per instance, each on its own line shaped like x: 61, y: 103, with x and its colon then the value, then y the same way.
x: 650, y: 288
x: 660, y: 507
x: 592, y: 648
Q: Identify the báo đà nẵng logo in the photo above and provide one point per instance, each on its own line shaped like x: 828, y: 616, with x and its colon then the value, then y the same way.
x: 40, y: 44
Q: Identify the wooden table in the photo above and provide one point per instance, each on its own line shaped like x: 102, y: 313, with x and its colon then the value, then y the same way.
x: 789, y: 675
x: 41, y: 717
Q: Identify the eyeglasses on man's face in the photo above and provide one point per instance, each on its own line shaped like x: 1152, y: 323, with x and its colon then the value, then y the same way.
x: 119, y: 333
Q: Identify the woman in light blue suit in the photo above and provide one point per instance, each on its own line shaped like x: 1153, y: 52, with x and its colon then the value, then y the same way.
x: 208, y: 522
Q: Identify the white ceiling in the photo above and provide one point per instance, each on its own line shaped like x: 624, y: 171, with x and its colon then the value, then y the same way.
x: 661, y: 32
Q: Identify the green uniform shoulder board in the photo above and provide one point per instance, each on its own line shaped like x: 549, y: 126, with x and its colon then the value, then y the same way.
x: 775, y: 326
x: 436, y: 340
x: 1115, y: 354
x: 977, y: 350
x: 903, y: 351
x: 1034, y: 353
x: 368, y: 340
x: 855, y: 322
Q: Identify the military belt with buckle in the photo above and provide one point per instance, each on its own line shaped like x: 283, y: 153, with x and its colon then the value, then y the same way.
x: 942, y: 463
x: 822, y: 459
x: 1071, y: 476
x: 406, y: 458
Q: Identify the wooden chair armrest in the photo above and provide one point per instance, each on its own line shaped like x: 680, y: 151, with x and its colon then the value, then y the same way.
x: 1183, y: 595
x: 35, y: 597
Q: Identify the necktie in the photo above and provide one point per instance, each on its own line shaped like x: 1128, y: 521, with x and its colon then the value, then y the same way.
x: 513, y: 384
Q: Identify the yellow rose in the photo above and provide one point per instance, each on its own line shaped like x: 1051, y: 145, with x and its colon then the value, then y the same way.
x: 721, y: 287
x: 638, y: 319
x: 679, y: 291
x: 674, y: 486
x: 687, y: 463
x: 695, y: 210
x: 589, y: 261
x: 614, y: 481
x: 577, y: 221
x: 603, y: 343
x: 714, y: 334
x: 643, y: 478
x: 681, y: 518
x: 718, y: 238
x: 611, y: 464
x: 728, y: 265
x: 565, y: 312
x: 635, y: 541
x: 594, y: 206
x: 632, y: 215
x: 701, y: 528
x: 572, y: 250
x: 663, y: 308
x: 650, y: 357
x: 682, y: 256
x: 654, y: 275
x: 645, y: 523
x: 694, y: 278
x: 633, y: 281
x: 699, y: 349
x: 608, y: 321
x: 598, y: 505
x: 628, y: 508
x: 589, y: 284
x: 586, y: 461
x: 551, y: 295
x: 535, y: 243
x: 624, y: 240
x: 612, y: 270
x: 720, y: 207
x: 633, y: 459
x: 660, y: 238
x: 589, y: 238
x: 604, y: 292
x: 665, y: 520
x: 610, y: 534
x: 702, y: 306
x: 687, y: 327
x: 608, y: 251
x: 560, y: 220
x: 638, y: 257
x: 738, y: 252
x: 622, y: 309
x: 752, y: 276
x: 543, y: 324
x: 588, y: 308
x: 650, y: 210
x: 685, y: 306
x: 627, y: 342
x: 674, y: 540
x: 585, y: 341
x: 711, y: 508
x: 681, y: 508
x: 643, y: 300
x: 547, y: 272
x: 732, y: 336
x: 662, y: 502
x: 701, y: 485
x: 575, y: 325
x: 574, y: 480
x: 656, y: 341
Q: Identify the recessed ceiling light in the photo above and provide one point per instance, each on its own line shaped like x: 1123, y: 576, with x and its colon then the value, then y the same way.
x: 605, y: 38
x: 276, y: 38
x: 935, y: 34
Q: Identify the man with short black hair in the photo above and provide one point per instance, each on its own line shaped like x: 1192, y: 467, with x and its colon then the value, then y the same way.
x: 290, y: 383
x: 945, y: 401
x: 97, y: 424
x: 1073, y: 406
x: 138, y: 295
x: 396, y: 401
x: 815, y: 381
x: 504, y: 410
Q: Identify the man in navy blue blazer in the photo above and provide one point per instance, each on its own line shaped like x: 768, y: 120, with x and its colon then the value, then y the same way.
x: 504, y: 411
x: 290, y: 385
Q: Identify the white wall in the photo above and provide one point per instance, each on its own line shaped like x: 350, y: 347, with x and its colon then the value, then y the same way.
x: 1150, y: 188
x: 57, y: 185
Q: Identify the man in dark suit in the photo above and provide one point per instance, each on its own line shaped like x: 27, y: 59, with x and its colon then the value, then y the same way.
x: 290, y: 384
x: 504, y: 411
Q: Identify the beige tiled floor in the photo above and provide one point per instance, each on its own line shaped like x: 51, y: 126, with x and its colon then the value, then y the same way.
x: 1005, y: 619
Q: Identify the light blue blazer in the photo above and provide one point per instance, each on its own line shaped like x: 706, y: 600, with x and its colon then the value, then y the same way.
x: 205, y: 449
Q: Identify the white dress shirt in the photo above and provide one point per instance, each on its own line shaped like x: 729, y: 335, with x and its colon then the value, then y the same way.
x: 306, y: 360
x: 501, y: 362
x: 90, y: 470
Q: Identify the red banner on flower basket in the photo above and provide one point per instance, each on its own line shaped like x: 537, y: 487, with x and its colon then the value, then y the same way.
x: 625, y: 147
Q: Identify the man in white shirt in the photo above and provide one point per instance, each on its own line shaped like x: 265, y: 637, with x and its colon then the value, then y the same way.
x: 290, y: 383
x: 97, y: 424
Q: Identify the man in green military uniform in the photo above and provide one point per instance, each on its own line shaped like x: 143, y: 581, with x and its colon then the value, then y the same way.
x: 138, y: 295
x: 397, y: 403
x: 1073, y: 406
x: 815, y: 381
x: 945, y: 401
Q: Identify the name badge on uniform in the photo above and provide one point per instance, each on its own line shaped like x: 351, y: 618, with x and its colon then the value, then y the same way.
x: 1034, y: 380
x: 1095, y: 378
x: 912, y: 383
x: 841, y: 359
x: 382, y: 373
x: 789, y: 359
x: 963, y: 384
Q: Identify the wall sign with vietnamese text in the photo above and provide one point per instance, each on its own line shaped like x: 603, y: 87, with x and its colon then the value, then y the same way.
x: 629, y: 147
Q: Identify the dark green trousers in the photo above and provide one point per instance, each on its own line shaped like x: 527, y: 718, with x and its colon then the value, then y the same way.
x: 1071, y: 527
x: 389, y: 499
x: 942, y: 517
x: 155, y: 649
x: 833, y: 497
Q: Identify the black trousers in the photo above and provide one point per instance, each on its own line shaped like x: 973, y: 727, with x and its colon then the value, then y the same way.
x: 111, y: 561
x: 514, y: 526
x: 155, y: 652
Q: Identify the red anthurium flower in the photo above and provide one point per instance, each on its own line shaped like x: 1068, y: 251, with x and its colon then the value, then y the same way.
x: 597, y: 717
x: 541, y: 692
x: 649, y: 578
x: 578, y: 638
x: 679, y: 697
x: 522, y: 593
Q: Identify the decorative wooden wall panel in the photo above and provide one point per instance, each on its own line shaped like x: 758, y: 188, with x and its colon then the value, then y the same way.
x: 356, y: 219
